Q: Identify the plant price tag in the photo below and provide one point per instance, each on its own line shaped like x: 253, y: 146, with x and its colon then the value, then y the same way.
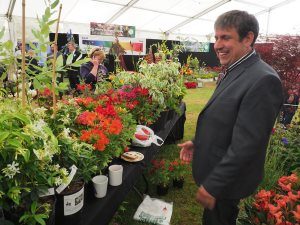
x: 70, y: 178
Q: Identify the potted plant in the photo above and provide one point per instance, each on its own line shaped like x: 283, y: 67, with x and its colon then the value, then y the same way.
x: 178, y: 170
x: 160, y: 176
x: 27, y: 147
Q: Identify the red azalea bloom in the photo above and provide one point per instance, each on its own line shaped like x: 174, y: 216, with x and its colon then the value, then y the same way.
x: 87, y: 118
x: 115, y: 126
x: 82, y: 87
x: 85, y: 101
x: 46, y: 92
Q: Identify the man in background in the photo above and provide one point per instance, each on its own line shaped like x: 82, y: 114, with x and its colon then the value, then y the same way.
x: 233, y: 129
x: 72, y: 56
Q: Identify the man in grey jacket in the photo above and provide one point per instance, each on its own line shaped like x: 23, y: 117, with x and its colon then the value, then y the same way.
x: 233, y: 130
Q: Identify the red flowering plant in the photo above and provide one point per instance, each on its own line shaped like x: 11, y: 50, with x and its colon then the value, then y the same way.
x: 178, y: 169
x: 276, y: 207
x: 190, y: 84
x: 159, y: 172
x: 45, y: 97
x: 84, y: 89
x: 106, y: 125
x: 139, y: 103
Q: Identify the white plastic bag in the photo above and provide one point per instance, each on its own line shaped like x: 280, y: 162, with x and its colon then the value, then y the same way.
x: 144, y: 137
x: 154, y: 211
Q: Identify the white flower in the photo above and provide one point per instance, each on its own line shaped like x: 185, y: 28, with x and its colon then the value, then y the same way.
x: 66, y: 133
x: 40, y: 112
x: 57, y: 181
x: 66, y: 120
x: 64, y: 171
x: 11, y: 170
x: 33, y: 92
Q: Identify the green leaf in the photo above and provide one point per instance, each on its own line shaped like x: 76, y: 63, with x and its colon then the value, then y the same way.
x: 22, y: 136
x: 32, y: 46
x: 40, y: 219
x: 22, y: 117
x: 54, y: 4
x: 35, y: 34
x: 44, y: 47
x: 37, y: 84
x: 33, y: 207
x: 47, y: 14
x: 26, y: 155
x: 45, y: 30
x: 3, y: 135
x: 15, y: 143
x: 8, y: 44
x: 51, y: 22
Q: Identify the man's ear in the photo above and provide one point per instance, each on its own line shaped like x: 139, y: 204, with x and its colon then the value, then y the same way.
x: 249, y: 38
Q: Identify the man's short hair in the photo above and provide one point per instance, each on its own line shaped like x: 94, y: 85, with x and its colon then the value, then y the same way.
x: 72, y: 43
x: 242, y: 21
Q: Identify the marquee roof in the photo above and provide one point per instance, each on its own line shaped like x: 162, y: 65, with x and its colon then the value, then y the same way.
x: 175, y: 17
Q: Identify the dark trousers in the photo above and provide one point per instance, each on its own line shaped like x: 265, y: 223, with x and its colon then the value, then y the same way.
x: 224, y: 213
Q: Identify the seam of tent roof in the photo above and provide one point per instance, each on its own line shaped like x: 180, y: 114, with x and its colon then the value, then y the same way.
x: 121, y: 11
x: 275, y: 7
x: 218, y: 4
x: 10, y: 9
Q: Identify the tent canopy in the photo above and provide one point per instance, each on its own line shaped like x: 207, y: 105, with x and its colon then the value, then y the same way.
x: 168, y: 18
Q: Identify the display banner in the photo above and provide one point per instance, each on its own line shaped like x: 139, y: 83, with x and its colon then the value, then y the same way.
x: 194, y: 46
x: 131, y: 46
x: 105, y: 29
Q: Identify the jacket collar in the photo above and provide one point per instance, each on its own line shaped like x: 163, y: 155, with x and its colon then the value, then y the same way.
x: 231, y: 76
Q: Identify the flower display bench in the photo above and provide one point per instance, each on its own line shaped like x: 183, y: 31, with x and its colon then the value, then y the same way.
x: 100, y: 211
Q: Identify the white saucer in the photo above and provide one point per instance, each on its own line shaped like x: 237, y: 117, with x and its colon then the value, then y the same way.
x: 139, y: 156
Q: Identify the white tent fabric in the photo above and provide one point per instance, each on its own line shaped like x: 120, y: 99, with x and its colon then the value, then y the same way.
x: 156, y: 18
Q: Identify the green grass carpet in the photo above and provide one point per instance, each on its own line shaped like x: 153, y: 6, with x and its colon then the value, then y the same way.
x: 185, y: 209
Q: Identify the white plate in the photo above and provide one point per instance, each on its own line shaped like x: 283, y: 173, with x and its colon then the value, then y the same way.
x: 139, y: 156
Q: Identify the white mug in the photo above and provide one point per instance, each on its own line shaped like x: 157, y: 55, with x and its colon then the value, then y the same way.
x: 115, y: 175
x: 100, y: 185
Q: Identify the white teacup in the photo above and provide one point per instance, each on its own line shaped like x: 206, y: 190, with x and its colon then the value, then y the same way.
x: 115, y: 175
x: 100, y: 185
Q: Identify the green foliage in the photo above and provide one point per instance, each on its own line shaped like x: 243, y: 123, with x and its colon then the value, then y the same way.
x: 37, y: 215
x: 27, y: 146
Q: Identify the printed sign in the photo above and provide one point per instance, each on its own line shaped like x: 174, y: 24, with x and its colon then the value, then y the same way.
x: 112, y: 30
x: 73, y: 203
x: 131, y: 46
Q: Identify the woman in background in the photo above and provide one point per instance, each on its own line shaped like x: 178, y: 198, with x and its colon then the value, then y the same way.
x: 94, y: 70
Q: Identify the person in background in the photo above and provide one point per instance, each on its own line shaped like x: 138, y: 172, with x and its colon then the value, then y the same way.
x: 233, y: 130
x: 72, y: 56
x: 94, y: 70
x: 59, y: 61
x: 32, y: 68
x: 290, y: 107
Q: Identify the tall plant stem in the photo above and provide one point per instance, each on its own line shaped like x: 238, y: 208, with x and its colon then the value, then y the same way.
x: 23, y: 54
x: 54, y: 63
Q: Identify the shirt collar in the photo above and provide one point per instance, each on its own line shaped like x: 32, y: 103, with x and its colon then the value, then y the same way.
x: 238, y: 62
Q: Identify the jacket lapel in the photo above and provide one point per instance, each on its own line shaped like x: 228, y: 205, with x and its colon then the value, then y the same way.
x: 230, y: 77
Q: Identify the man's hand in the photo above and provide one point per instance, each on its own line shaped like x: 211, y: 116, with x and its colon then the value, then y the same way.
x: 187, y: 151
x: 205, y: 199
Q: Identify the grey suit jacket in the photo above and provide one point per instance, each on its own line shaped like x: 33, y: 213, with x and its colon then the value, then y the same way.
x: 233, y: 130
